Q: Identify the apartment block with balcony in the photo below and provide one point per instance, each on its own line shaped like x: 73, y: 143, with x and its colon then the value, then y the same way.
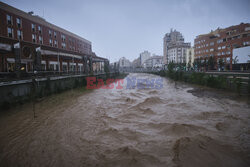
x: 174, y: 47
x: 220, y: 43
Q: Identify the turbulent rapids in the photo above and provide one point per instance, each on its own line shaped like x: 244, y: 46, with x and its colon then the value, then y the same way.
x: 178, y: 125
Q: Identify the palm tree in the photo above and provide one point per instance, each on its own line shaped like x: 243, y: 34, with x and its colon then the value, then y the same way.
x: 235, y: 60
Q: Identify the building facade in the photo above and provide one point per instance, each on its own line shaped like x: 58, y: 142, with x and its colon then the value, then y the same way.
x: 190, y: 57
x: 124, y: 63
x: 136, y: 63
x: 154, y: 61
x: 143, y: 57
x: 220, y: 43
x: 174, y: 47
x: 23, y: 35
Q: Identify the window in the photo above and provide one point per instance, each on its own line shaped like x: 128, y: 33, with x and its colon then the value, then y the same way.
x: 63, y: 45
x: 40, y: 40
x: 40, y: 29
x: 18, y: 22
x: 228, y: 52
x: 54, y: 34
x: 211, y: 50
x: 217, y: 35
x: 222, y: 53
x: 236, y: 37
x: 33, y: 37
x: 246, y: 43
x: 219, y: 48
x: 50, y: 42
x: 50, y: 33
x: 55, y: 43
x: 220, y: 41
x: 219, y: 54
x: 63, y: 38
x: 9, y: 19
x: 19, y: 34
x: 236, y: 46
x: 223, y: 47
x: 10, y: 32
x: 211, y: 43
x: 33, y: 27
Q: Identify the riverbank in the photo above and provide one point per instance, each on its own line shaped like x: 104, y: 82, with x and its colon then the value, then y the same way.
x: 236, y: 83
x: 23, y: 91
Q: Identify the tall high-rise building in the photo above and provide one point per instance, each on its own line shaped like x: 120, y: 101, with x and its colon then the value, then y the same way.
x: 174, y: 47
x: 144, y: 56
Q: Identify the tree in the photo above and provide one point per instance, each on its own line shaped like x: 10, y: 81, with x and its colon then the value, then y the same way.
x: 171, y: 67
x: 211, y: 62
x: 189, y: 65
x: 221, y: 63
x: 197, y: 64
x: 204, y: 63
x: 235, y: 60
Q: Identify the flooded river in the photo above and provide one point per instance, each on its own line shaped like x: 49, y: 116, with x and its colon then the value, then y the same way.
x: 178, y: 125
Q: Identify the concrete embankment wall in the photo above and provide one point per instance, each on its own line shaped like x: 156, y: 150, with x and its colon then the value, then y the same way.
x: 229, y: 81
x: 16, y: 92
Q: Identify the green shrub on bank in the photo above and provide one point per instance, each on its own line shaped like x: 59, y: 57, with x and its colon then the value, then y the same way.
x: 219, y: 82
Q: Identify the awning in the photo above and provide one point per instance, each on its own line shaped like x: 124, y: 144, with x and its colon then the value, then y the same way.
x: 48, y: 52
x: 5, y: 47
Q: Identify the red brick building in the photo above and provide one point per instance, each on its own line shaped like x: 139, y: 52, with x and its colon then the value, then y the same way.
x: 23, y: 35
x: 221, y: 42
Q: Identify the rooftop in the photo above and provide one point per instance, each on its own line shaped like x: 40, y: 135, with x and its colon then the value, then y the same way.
x: 39, y: 20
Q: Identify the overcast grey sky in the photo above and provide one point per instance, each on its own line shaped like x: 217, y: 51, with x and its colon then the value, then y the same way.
x: 120, y: 28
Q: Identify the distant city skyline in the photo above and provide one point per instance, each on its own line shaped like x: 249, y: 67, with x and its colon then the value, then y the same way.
x: 126, y: 28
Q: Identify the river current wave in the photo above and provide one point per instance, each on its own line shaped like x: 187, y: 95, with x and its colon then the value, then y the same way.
x: 171, y: 126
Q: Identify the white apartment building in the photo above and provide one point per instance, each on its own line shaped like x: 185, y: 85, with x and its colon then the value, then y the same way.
x: 144, y: 56
x: 190, y: 56
x: 124, y: 63
x: 174, y: 47
x: 154, y: 61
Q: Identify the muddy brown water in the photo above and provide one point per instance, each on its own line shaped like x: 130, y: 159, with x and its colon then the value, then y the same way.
x: 172, y: 126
